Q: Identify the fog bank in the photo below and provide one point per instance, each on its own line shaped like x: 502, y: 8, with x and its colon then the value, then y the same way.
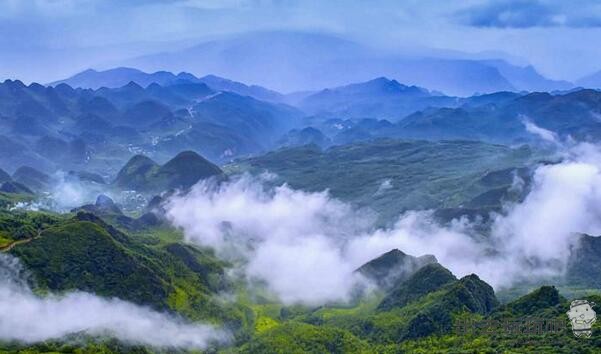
x: 26, y: 317
x: 305, y: 246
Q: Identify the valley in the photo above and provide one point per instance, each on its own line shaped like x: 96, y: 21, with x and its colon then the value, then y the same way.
x: 299, y: 177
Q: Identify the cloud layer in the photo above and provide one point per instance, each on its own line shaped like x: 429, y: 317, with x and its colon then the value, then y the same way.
x: 28, y: 318
x: 305, y: 246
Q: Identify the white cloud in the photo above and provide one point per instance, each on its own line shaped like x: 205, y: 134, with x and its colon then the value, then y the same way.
x: 305, y: 246
x: 542, y: 133
x: 28, y: 318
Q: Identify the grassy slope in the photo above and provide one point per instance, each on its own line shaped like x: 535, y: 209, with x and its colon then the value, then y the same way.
x: 74, y: 253
x: 150, y: 268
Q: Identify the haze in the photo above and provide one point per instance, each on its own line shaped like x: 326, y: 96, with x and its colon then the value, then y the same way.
x: 45, y: 41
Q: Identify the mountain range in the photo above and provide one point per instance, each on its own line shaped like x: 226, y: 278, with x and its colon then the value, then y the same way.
x: 301, y: 61
x: 47, y: 126
x: 379, y: 147
x: 119, y: 77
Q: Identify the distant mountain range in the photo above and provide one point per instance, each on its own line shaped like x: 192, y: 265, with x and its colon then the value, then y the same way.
x: 298, y: 61
x: 381, y: 97
x: 161, y: 114
x: 593, y: 80
x: 47, y: 127
x: 119, y: 77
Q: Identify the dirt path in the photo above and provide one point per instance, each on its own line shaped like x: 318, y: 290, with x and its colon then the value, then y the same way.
x: 13, y: 244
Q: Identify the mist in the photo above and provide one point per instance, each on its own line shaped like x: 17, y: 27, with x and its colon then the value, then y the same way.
x: 26, y: 317
x: 66, y: 192
x: 306, y: 246
x: 67, y: 36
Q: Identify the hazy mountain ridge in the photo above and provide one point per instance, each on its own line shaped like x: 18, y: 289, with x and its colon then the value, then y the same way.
x: 298, y: 61
x: 119, y: 77
x: 74, y: 128
x: 181, y: 172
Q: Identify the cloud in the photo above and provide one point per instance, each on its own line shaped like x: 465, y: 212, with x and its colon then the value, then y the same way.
x: 28, y: 318
x: 290, y: 238
x: 528, y: 242
x: 517, y: 14
x: 542, y: 133
x: 384, y: 186
x: 306, y: 246
x: 527, y: 14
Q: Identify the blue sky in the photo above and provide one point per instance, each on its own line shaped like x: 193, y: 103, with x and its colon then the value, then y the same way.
x: 44, y: 40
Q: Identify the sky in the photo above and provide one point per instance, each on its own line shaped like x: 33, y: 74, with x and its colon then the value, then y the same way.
x: 44, y: 40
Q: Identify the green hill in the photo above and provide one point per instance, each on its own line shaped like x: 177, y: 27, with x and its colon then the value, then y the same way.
x: 393, y: 267
x: 392, y: 176
x: 136, y: 173
x: 85, y: 253
x: 182, y: 172
x: 428, y: 279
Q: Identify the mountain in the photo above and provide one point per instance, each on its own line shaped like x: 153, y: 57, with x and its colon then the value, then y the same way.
x: 391, y: 176
x: 136, y: 172
x: 381, y: 98
x: 590, y: 81
x: 146, y: 113
x: 119, y: 77
x: 573, y: 114
x: 469, y: 294
x: 536, y: 303
x: 14, y: 188
x: 61, y: 127
x: 181, y: 172
x: 431, y: 308
x: 104, y: 205
x: 85, y: 253
x: 260, y: 93
x: 261, y: 121
x: 185, y: 169
x: 13, y: 153
x: 527, y: 78
x: 430, y: 278
x: 305, y: 136
x: 300, y: 61
x: 393, y: 267
x: 584, y: 262
x: 31, y: 178
x: 4, y: 176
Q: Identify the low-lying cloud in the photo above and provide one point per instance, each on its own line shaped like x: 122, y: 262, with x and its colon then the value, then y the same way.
x: 306, y: 246
x: 542, y: 133
x: 26, y: 317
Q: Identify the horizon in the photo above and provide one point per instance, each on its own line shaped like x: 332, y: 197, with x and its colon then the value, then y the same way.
x: 70, y: 36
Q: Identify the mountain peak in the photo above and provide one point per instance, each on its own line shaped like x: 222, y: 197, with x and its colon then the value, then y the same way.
x: 187, y: 168
x: 133, y: 85
x: 392, y: 267
x: 183, y: 171
x: 135, y: 171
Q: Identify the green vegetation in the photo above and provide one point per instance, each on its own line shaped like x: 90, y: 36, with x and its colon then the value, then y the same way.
x: 428, y: 279
x: 393, y: 267
x: 183, y: 171
x: 85, y: 253
x: 392, y: 176
x: 417, y: 313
